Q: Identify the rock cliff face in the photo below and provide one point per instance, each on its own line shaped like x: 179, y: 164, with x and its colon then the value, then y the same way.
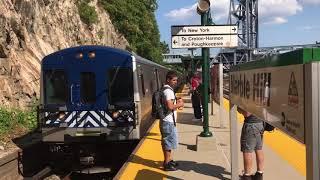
x: 32, y: 29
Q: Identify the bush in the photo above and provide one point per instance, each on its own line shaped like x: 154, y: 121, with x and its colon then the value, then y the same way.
x: 87, y: 13
x: 12, y: 118
x: 6, y: 120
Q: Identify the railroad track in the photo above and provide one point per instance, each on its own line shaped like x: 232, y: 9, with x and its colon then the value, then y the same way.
x: 31, y: 163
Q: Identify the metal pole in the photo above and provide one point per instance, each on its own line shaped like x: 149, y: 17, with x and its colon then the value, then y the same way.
x: 312, y: 125
x: 234, y: 142
x: 205, y: 81
x: 221, y: 94
x: 192, y: 63
x: 233, y: 133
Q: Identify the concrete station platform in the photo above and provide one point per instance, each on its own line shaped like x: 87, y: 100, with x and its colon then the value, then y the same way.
x: 209, y: 158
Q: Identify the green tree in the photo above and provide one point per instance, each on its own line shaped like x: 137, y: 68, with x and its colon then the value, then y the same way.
x: 164, y: 47
x: 135, y: 19
x: 87, y: 13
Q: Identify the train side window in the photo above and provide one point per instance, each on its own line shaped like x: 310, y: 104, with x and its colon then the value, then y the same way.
x: 120, y: 83
x: 56, y: 89
x: 88, y: 87
x: 142, y: 85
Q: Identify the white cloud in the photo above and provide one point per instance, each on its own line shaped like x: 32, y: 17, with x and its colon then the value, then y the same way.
x: 182, y: 13
x: 276, y: 20
x: 277, y: 11
x: 219, y: 10
x: 270, y: 11
x: 311, y: 2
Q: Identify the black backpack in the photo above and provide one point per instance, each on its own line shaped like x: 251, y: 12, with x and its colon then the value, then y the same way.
x: 268, y: 127
x: 159, y: 107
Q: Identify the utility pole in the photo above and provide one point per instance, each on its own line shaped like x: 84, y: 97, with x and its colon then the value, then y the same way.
x: 204, y: 10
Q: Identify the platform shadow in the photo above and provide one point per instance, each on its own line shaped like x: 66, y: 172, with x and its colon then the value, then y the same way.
x: 146, y: 174
x: 153, y: 134
x: 186, y: 118
x: 204, y: 168
x: 190, y: 147
x: 146, y: 162
x: 153, y: 139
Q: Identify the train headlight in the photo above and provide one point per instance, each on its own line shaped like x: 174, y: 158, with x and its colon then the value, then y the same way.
x: 61, y: 115
x: 115, y: 114
x: 92, y: 55
x: 79, y: 55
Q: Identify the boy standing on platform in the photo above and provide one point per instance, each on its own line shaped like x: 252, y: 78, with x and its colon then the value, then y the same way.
x: 168, y: 129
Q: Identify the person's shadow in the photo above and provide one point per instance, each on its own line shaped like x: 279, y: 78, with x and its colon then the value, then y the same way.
x: 201, y: 168
x: 146, y: 174
x: 205, y: 169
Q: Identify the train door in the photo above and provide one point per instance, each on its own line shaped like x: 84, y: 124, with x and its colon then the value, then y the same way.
x: 75, y: 104
x: 83, y: 98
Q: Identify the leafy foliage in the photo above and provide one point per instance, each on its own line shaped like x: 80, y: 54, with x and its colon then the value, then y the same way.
x: 135, y: 19
x: 87, y: 13
x: 11, y: 118
x: 164, y: 47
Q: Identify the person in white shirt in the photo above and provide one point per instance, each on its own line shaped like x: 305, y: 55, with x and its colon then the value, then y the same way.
x: 168, y: 129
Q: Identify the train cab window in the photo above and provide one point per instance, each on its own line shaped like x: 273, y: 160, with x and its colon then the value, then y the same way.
x: 88, y: 87
x: 120, y: 82
x: 56, y: 91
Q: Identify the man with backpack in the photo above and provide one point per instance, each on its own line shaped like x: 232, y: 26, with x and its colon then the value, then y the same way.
x: 168, y: 129
x: 252, y: 141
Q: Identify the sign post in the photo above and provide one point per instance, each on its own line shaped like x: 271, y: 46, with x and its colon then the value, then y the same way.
x: 205, y: 80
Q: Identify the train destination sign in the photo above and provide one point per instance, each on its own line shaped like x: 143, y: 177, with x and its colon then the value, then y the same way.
x: 202, y: 41
x: 201, y: 30
x: 274, y: 94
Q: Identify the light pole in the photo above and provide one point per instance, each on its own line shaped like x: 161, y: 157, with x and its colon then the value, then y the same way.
x: 192, y: 61
x: 203, y: 9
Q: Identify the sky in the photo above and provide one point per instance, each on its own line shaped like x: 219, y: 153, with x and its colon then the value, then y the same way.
x: 281, y: 22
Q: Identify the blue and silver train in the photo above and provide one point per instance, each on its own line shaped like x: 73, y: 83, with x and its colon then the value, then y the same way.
x: 96, y: 94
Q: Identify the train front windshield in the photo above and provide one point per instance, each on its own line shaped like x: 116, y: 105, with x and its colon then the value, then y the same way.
x: 120, y: 83
x: 55, y: 87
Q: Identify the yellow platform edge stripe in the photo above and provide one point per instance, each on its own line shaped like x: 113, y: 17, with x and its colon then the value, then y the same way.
x: 286, y: 147
x: 146, y: 161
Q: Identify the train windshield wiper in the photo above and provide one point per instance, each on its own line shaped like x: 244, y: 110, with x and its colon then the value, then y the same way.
x: 114, y: 76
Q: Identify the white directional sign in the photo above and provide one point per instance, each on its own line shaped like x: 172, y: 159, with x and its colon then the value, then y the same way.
x: 215, y: 36
x: 204, y: 30
x: 201, y: 41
